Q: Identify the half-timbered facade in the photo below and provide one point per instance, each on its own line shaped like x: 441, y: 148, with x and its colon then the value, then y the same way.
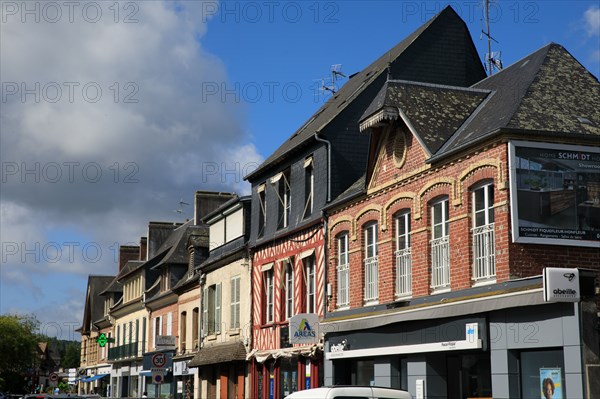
x: 316, y: 164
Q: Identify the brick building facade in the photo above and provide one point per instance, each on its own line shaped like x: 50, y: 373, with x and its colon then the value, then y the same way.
x: 430, y: 265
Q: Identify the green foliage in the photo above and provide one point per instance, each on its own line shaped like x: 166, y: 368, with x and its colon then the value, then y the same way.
x: 71, y: 356
x: 17, y: 350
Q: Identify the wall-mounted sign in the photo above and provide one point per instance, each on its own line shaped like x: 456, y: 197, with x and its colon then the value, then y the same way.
x: 165, y: 342
x: 555, y: 194
x: 471, y: 341
x: 304, y: 328
x: 561, y: 285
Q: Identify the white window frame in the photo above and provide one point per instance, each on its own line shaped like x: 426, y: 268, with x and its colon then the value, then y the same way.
x: 484, y: 258
x: 269, y: 287
x: 262, y: 214
x: 289, y: 287
x: 403, y: 254
x: 309, y: 173
x: 310, y: 276
x: 440, y: 246
x: 371, y: 288
x: 343, y: 267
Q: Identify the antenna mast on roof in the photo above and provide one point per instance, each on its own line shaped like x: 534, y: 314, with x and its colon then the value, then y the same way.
x: 336, y: 72
x: 492, y: 59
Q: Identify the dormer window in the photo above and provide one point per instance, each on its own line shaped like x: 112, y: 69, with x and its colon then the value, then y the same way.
x: 165, y: 280
x: 309, y: 183
x: 262, y: 211
x: 281, y: 181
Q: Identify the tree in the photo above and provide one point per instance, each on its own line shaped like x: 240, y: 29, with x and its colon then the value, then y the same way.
x: 72, y: 355
x: 17, y: 351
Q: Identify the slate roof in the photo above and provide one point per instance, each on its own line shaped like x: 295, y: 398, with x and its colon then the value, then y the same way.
x: 358, y: 187
x: 434, y: 111
x: 94, y: 305
x: 175, y: 246
x: 220, y: 353
x: 358, y: 83
x: 547, y: 91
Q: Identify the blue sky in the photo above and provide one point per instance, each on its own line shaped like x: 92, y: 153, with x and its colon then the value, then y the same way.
x: 194, y: 95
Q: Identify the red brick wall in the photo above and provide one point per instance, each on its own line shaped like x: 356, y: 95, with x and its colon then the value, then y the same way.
x: 413, y: 187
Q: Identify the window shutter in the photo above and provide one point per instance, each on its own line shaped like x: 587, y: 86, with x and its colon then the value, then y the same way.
x: 204, y: 312
x: 218, y: 308
x: 232, y: 303
x: 153, y: 331
x: 169, y: 323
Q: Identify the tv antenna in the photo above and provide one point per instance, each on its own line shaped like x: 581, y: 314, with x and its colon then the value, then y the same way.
x: 492, y: 58
x: 329, y: 84
x: 180, y: 210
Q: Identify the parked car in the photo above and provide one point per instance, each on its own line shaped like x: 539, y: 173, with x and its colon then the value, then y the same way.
x: 350, y: 391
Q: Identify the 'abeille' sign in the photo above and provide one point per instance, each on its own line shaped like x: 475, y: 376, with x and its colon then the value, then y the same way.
x: 561, y: 285
x: 304, y: 328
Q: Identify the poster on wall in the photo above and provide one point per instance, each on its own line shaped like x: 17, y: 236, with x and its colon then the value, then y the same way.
x: 555, y: 194
x: 551, y: 383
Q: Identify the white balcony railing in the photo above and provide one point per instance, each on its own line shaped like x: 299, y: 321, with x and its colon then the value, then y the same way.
x: 343, y: 298
x: 403, y: 272
x: 371, y: 279
x: 440, y: 263
x: 484, y: 257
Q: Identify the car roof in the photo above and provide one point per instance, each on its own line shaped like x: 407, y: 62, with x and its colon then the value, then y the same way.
x: 329, y: 392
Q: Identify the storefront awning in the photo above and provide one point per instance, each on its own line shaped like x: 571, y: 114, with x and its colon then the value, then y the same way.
x: 93, y: 378
x: 224, y: 353
x: 262, y: 356
x: 438, y: 310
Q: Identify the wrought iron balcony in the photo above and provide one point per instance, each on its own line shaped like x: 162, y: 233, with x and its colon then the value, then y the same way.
x: 124, y: 351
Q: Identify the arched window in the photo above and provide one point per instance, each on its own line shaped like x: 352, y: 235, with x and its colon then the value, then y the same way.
x: 371, y: 262
x: 484, y: 258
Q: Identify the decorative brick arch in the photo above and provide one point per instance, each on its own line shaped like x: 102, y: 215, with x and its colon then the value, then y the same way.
x: 340, y: 220
x: 368, y: 208
x: 472, y: 169
x: 432, y: 184
x: 400, y: 196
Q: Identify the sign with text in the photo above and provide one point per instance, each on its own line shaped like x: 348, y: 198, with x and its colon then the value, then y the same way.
x: 157, y: 360
x: 561, y: 285
x: 165, y: 342
x: 304, y: 328
x: 555, y: 194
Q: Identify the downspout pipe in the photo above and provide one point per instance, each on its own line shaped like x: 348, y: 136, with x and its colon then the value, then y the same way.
x: 325, y: 227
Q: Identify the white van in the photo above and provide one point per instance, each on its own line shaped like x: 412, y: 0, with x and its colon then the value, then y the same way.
x: 350, y: 392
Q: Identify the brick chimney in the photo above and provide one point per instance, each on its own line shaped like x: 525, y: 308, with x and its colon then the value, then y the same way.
x: 207, y: 201
x: 143, y: 248
x: 127, y: 253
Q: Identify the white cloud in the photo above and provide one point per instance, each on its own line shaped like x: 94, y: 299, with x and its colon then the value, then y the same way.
x: 77, y: 166
x: 591, y: 19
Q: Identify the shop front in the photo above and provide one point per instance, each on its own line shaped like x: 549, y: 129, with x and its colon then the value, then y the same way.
x: 509, y: 346
x: 278, y: 373
x: 185, y: 379
x: 222, y: 370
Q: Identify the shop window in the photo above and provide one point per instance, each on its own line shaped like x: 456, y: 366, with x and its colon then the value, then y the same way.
x: 371, y: 263
x: 403, y: 255
x: 343, y: 271
x: 288, y: 381
x: 542, y: 374
x: 440, y: 246
x: 484, y: 263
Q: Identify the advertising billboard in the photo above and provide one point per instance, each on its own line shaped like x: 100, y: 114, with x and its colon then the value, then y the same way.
x: 555, y: 193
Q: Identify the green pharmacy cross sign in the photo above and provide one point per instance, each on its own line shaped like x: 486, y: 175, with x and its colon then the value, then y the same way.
x: 103, y: 340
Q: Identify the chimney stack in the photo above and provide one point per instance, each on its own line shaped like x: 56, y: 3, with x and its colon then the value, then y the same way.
x: 143, y: 248
x: 207, y: 201
x: 127, y: 253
